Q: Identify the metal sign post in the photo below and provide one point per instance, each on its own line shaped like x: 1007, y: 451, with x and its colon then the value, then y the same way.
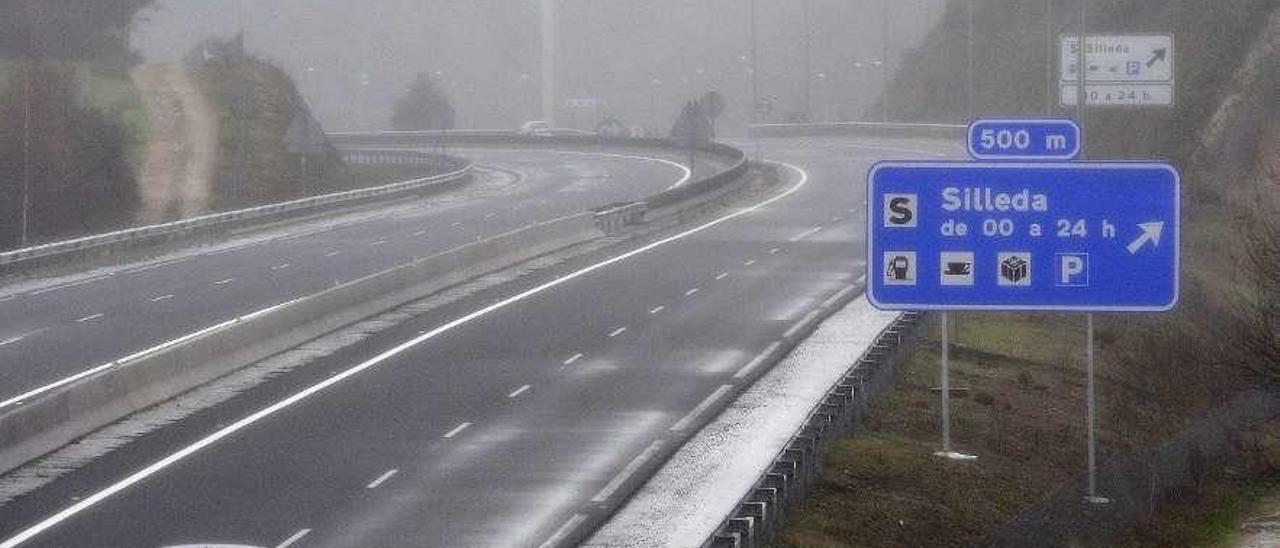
x: 1025, y: 235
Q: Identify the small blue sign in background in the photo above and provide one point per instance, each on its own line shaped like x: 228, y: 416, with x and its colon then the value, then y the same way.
x: 1029, y: 236
x: 1026, y: 140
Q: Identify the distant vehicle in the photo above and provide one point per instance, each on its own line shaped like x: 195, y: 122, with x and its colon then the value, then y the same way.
x: 536, y: 128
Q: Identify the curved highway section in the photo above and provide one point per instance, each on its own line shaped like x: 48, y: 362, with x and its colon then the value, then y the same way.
x: 518, y: 416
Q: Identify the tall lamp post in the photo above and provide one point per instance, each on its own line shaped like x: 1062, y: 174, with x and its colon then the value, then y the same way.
x: 549, y: 62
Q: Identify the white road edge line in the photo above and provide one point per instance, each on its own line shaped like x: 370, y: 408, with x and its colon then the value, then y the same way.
x: 572, y: 359
x: 225, y: 432
x: 684, y: 179
x: 457, y: 430
x: 381, y: 479
x: 519, y: 391
x: 564, y: 531
x: 295, y: 538
x: 626, y: 473
x: 701, y: 408
x: 753, y: 364
x: 617, y: 332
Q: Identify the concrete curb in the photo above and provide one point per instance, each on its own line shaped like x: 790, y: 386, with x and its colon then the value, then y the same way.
x: 761, y: 514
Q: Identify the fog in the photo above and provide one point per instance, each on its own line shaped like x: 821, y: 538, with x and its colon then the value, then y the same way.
x: 639, y: 60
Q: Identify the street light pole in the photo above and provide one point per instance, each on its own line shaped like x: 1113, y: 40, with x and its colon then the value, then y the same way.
x: 808, y: 61
x: 26, y: 148
x: 969, y: 94
x: 884, y: 61
x: 549, y: 62
x: 755, y: 67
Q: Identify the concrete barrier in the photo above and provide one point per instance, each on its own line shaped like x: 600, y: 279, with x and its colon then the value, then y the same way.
x: 58, y: 417
x: 54, y: 418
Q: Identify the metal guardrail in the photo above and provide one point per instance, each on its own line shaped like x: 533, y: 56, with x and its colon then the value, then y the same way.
x: 870, y: 129
x: 759, y: 516
x: 461, y: 170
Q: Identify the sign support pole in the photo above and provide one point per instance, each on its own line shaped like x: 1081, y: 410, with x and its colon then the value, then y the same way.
x: 1092, y: 497
x: 947, y: 451
x: 1082, y: 98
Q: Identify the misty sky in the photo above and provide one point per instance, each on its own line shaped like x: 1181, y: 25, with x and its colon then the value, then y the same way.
x: 642, y: 58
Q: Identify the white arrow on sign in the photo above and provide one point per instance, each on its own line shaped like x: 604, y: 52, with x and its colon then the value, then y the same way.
x: 1150, y: 233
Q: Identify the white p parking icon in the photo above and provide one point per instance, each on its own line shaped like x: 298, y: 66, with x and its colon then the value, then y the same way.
x: 1073, y: 270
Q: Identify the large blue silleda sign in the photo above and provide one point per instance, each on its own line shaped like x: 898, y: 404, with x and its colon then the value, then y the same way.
x: 1023, y: 236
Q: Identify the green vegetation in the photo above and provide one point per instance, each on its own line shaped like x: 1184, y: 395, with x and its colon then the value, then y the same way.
x: 1019, y: 408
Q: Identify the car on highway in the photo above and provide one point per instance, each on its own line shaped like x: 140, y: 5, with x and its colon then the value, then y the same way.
x: 536, y: 128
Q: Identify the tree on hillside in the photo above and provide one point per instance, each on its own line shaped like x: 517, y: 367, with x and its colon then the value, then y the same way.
x: 423, y: 107
x: 68, y: 29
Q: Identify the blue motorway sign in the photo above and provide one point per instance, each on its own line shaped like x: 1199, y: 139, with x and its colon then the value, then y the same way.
x: 1030, y: 236
x: 1026, y: 140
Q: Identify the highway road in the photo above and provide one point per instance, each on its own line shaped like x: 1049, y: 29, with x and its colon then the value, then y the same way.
x: 513, y: 417
x: 51, y: 329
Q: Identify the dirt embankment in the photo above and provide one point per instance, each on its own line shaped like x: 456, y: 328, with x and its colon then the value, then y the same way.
x: 176, y: 178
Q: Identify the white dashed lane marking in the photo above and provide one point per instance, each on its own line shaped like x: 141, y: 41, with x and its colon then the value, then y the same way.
x: 280, y: 266
x: 658, y: 309
x: 572, y: 359
x: 519, y: 391
x: 224, y: 282
x: 691, y: 292
x: 295, y: 538
x: 722, y: 276
x: 89, y: 318
x: 161, y: 298
x: 617, y: 332
x: 457, y: 430
x: 381, y: 479
x: 333, y: 254
x: 11, y: 341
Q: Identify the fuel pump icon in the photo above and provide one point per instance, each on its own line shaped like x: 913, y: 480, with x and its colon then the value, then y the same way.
x: 900, y: 268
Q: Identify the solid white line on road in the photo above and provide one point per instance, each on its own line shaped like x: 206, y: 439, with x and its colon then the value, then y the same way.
x: 280, y: 266
x: 658, y: 309
x: 564, y: 531
x: 384, y: 477
x: 572, y: 359
x: 457, y: 430
x: 89, y: 318
x: 224, y: 282
x: 519, y: 391
x: 753, y: 364
x: 722, y: 276
x: 683, y: 179
x: 303, y: 395
x: 803, y: 323
x: 295, y: 538
x: 11, y: 341
x: 333, y: 254
x: 626, y: 473
x: 701, y: 408
x: 806, y: 234
x: 749, y: 262
x: 691, y: 292
x: 162, y: 298
x: 617, y: 332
